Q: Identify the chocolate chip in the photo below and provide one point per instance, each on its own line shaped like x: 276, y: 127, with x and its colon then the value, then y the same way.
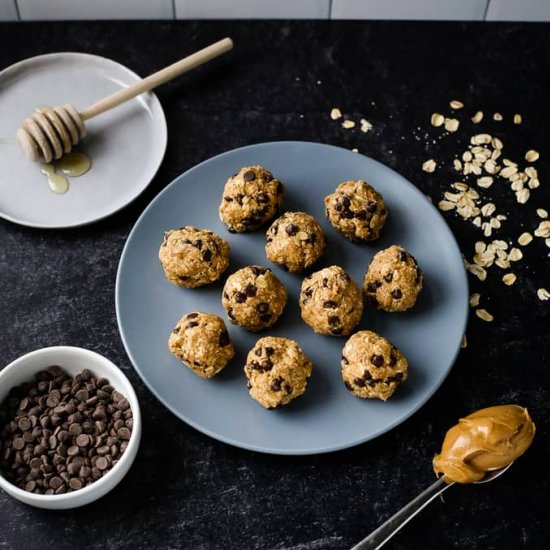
x: 239, y: 199
x: 361, y: 215
x: 311, y: 239
x: 192, y: 324
x: 265, y: 317
x: 262, y: 198
x: 197, y: 243
x: 377, y: 360
x: 258, y: 270
x: 230, y: 314
x: 337, y: 331
x: 228, y: 199
x: 334, y: 320
x: 276, y: 384
x: 224, y: 338
x: 207, y: 255
x: 371, y: 287
x: 308, y: 292
x: 396, y: 293
x: 388, y: 277
x: 258, y: 352
x: 345, y: 277
x: 347, y: 215
x: 266, y: 365
x: 402, y: 255
x: 325, y: 283
x: 240, y: 297
x: 359, y: 382
x: 367, y: 375
x: 269, y: 351
x: 176, y: 330
x: 291, y: 229
x: 262, y: 307
x: 330, y: 304
x: 393, y: 360
x: 344, y: 201
x: 280, y: 188
x: 345, y: 361
x: 249, y: 176
x: 371, y: 207
x: 250, y: 290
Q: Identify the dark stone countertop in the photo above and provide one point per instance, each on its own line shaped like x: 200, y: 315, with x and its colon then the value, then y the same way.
x: 186, y: 490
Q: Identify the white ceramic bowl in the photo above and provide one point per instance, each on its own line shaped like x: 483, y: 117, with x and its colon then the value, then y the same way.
x: 73, y: 360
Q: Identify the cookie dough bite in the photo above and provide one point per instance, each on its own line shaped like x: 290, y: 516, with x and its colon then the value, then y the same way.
x: 193, y: 257
x: 393, y: 280
x: 372, y: 367
x: 295, y: 241
x: 254, y: 298
x: 251, y: 198
x: 202, y: 342
x: 277, y: 371
x: 357, y: 210
x: 331, y: 302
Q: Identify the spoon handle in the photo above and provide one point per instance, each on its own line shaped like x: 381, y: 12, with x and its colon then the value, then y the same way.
x: 382, y: 534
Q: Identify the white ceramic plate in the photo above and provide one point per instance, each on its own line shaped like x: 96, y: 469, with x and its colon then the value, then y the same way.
x: 126, y: 145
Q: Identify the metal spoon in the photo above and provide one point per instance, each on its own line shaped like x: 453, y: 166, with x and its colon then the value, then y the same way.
x: 387, y: 530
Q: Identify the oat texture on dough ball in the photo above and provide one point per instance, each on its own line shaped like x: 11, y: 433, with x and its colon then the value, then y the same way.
x: 393, y: 280
x: 254, y: 298
x: 202, y: 342
x: 295, y: 241
x: 372, y: 367
x: 277, y: 371
x: 331, y: 302
x: 357, y: 210
x: 193, y: 257
x: 251, y: 197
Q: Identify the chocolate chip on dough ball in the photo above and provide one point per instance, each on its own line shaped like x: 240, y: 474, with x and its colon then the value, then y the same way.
x: 254, y: 298
x: 372, y: 367
x: 251, y: 198
x: 393, y: 280
x: 295, y: 241
x: 357, y: 210
x: 193, y: 257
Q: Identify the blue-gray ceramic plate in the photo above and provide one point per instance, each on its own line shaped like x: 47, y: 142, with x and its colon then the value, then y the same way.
x: 327, y: 417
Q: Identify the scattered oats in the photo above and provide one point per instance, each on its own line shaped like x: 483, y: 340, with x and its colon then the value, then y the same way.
x: 543, y: 230
x: 451, y: 124
x: 464, y: 342
x: 458, y: 165
x: 515, y: 255
x: 437, y: 119
x: 509, y: 279
x: 453, y: 197
x: 355, y: 150
x: 335, y: 114
x: 497, y: 116
x: 496, y: 143
x: 484, y: 315
x: 480, y: 247
x: 429, y: 166
x: 543, y: 294
x: 542, y: 213
x: 547, y: 242
x: 517, y: 185
x: 487, y: 229
x: 477, y: 221
x: 532, y: 155
x: 525, y: 238
x: 488, y: 209
x: 531, y: 172
x: 474, y: 299
x: 502, y: 263
x: 500, y: 245
x: 460, y: 186
x: 455, y: 104
x: 480, y: 139
x: 534, y: 183
x: 348, y: 124
x: 467, y: 156
x: 446, y: 205
x: 365, y: 125
x: 490, y: 167
x: 485, y: 181
x: 477, y: 118
x: 517, y: 119
x: 495, y: 224
x: 508, y: 171
x: 522, y: 195
x: 476, y: 270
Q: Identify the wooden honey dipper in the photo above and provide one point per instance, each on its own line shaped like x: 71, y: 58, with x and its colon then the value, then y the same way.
x: 52, y: 132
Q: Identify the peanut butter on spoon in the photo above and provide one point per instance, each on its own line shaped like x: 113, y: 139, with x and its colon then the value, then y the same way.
x: 488, y: 439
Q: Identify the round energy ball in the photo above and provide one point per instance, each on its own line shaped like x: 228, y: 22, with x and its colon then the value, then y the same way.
x: 251, y: 198
x: 393, y: 280
x: 372, y: 367
x: 295, y: 241
x: 277, y: 371
x: 331, y: 302
x: 254, y: 298
x: 193, y: 257
x: 356, y: 210
x: 202, y: 342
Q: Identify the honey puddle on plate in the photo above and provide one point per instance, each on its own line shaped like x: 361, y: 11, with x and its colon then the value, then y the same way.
x: 72, y: 165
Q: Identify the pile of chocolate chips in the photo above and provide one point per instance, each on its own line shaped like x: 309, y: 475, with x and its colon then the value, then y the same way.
x: 59, y: 434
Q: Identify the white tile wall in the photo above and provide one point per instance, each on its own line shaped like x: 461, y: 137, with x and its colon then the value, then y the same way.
x: 7, y: 10
x: 252, y: 9
x: 95, y: 9
x: 519, y: 10
x: 409, y: 9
